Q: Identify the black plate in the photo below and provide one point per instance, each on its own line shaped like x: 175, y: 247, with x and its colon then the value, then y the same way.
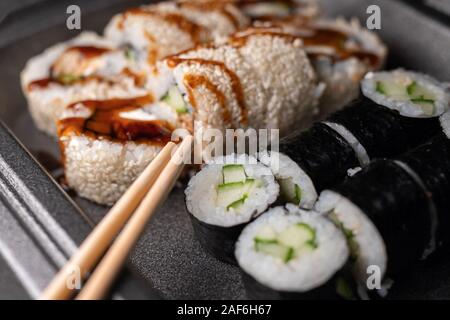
x: 167, y: 255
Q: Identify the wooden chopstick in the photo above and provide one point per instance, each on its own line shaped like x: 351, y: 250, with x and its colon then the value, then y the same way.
x: 108, y: 268
x: 98, y: 241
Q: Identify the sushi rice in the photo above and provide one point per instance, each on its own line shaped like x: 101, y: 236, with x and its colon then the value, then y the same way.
x: 202, y: 192
x: 285, y: 169
x: 247, y: 79
x: 308, y: 270
x: 365, y: 242
x: 412, y: 94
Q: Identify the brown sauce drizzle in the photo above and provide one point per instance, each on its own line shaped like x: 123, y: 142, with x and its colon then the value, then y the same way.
x: 235, y: 83
x: 45, y: 82
x: 192, y: 81
x: 88, y: 52
x: 241, y: 40
x: 105, y: 122
x: 336, y: 40
x: 175, y: 19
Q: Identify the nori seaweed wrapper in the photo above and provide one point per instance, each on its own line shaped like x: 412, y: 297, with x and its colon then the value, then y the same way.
x: 431, y: 162
x: 397, y: 205
x: 383, y: 132
x: 216, y: 240
x: 322, y: 153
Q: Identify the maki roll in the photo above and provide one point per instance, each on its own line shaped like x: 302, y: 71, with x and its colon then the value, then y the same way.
x: 158, y: 30
x: 291, y: 254
x: 386, y: 215
x: 106, y: 144
x: 431, y: 163
x: 309, y: 162
x: 295, y: 185
x: 398, y: 111
x: 243, y: 82
x: 86, y: 67
x: 224, y: 196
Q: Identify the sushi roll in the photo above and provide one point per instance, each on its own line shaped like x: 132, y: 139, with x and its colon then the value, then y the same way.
x: 276, y: 10
x: 86, y: 67
x: 243, y: 82
x: 224, y: 196
x: 431, y: 163
x: 159, y: 30
x: 291, y: 254
x: 386, y: 215
x: 295, y: 185
x: 309, y: 162
x: 106, y: 144
x: 341, y: 52
x: 391, y: 116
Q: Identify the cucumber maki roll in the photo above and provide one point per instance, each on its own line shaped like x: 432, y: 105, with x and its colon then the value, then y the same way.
x: 295, y: 185
x: 386, y: 215
x: 291, y: 254
x: 323, y: 155
x: 224, y: 196
x: 431, y: 163
x: 388, y: 119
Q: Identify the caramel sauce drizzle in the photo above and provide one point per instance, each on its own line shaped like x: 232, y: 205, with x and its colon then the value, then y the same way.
x: 336, y: 40
x: 88, y: 52
x: 105, y: 122
x: 235, y: 84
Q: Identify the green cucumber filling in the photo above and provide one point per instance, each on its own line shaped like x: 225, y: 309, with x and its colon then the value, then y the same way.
x: 289, y: 191
x: 349, y: 236
x: 344, y: 289
x: 174, y: 98
x: 413, y: 92
x: 236, y: 187
x: 130, y: 54
x: 68, y: 78
x: 291, y: 243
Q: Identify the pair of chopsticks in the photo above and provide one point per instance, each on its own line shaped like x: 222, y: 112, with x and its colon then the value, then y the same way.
x: 120, y: 229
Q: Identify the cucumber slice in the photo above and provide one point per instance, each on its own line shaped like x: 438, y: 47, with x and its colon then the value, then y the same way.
x: 275, y: 250
x: 290, y: 192
x: 237, y: 204
x: 251, y: 184
x: 392, y: 89
x: 175, y: 99
x: 307, y: 248
x: 426, y: 105
x: 228, y: 194
x: 416, y: 91
x: 266, y: 234
x: 130, y: 54
x: 68, y: 78
x: 233, y: 173
x: 297, y: 236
